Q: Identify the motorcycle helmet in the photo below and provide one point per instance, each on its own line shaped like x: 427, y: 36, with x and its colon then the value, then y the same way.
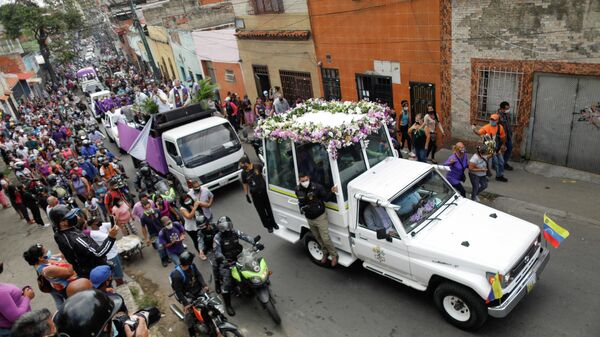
x: 19, y: 165
x: 145, y: 170
x: 52, y: 179
x: 186, y: 258
x: 86, y: 314
x: 224, y: 224
x: 57, y: 214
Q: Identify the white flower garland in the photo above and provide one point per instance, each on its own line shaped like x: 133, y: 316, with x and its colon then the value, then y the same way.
x: 334, y: 124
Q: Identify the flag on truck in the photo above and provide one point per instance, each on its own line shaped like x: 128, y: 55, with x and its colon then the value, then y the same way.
x: 496, y: 291
x: 553, y: 233
x: 140, y: 144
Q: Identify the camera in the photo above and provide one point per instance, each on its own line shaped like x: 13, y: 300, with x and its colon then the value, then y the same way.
x: 150, y: 315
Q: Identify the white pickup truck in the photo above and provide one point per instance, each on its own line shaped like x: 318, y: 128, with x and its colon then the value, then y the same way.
x: 401, y: 218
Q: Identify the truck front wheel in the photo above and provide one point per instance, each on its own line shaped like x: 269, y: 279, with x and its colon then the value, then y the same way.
x: 313, y: 248
x: 460, y: 306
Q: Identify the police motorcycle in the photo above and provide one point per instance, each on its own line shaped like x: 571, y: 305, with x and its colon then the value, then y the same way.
x: 251, y: 277
x: 209, y: 315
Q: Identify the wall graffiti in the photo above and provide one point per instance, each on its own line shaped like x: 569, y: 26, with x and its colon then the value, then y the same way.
x: 590, y: 115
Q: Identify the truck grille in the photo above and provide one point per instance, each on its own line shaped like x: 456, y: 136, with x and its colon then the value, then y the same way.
x: 525, y: 259
x: 214, y: 175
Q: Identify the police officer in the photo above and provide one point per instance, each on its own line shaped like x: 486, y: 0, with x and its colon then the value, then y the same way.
x: 188, y: 284
x: 254, y: 184
x: 311, y: 198
x: 145, y: 179
x: 79, y: 249
x: 227, y: 247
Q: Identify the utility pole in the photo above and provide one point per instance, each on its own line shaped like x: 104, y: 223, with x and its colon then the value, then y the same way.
x: 140, y: 30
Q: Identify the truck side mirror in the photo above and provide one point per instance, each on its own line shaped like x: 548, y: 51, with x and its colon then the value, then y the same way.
x: 178, y: 160
x: 381, y: 234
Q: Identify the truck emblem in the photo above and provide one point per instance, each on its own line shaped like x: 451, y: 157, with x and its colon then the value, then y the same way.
x: 379, y: 254
x: 527, y: 259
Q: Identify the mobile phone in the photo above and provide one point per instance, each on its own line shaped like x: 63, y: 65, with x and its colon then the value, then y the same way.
x: 112, y: 222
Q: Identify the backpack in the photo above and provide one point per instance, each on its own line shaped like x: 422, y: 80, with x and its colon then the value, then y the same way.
x: 43, y: 284
x: 229, y: 109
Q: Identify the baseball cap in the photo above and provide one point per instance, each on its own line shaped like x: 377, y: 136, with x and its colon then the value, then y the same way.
x: 99, y: 275
x: 494, y: 117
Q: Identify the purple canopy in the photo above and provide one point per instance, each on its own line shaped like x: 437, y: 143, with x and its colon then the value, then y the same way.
x: 155, y: 155
x: 86, y: 71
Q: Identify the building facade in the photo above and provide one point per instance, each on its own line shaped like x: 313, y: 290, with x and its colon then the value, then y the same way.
x: 379, y: 50
x: 182, y: 44
x: 543, y: 57
x: 158, y: 40
x: 277, y: 48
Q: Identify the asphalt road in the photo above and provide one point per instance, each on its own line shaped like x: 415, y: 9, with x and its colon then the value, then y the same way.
x: 315, y: 301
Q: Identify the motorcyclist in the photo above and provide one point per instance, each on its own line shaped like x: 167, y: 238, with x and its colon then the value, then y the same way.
x: 227, y: 247
x: 145, y: 178
x: 188, y: 284
x: 57, y: 188
x: 92, y: 313
x: 79, y: 249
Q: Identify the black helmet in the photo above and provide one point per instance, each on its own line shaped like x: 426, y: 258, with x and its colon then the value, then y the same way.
x: 52, y: 179
x: 186, y: 258
x: 224, y: 224
x: 57, y: 214
x: 86, y: 314
x: 145, y: 170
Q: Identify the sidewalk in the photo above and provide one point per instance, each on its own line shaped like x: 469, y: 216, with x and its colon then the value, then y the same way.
x: 558, y: 189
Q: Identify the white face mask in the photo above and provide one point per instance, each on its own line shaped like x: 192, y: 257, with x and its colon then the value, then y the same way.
x: 305, y: 183
x: 507, y: 111
x: 169, y: 226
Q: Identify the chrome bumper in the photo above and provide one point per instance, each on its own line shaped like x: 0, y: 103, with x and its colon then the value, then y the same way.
x: 223, y: 181
x: 523, y: 288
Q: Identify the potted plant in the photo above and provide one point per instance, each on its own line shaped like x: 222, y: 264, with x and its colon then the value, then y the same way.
x: 206, y: 93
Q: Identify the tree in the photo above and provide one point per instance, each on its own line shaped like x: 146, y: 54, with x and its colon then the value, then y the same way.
x: 41, y: 20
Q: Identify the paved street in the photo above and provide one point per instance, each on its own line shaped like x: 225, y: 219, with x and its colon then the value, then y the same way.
x: 314, y: 301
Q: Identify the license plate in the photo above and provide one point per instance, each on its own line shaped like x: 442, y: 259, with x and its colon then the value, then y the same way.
x: 222, y: 183
x: 531, y: 283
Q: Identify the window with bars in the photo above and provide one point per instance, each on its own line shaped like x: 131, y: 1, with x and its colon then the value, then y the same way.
x: 267, y: 6
x: 229, y: 75
x: 296, y: 84
x: 331, y: 83
x: 496, y: 86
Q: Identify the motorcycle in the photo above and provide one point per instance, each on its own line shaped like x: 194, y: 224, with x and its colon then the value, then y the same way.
x: 251, y: 276
x: 210, y: 318
x: 121, y: 184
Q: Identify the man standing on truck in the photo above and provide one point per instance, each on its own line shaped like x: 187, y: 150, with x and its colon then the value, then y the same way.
x: 311, y: 198
x: 179, y: 96
x: 254, y: 184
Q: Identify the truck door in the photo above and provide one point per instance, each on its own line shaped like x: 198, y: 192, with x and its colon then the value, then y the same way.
x: 281, y: 182
x: 379, y: 254
x: 171, y: 158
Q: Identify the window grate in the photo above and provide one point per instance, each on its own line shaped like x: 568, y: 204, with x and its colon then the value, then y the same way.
x: 229, y: 75
x: 495, y: 86
x: 267, y: 6
x: 331, y: 83
x: 296, y: 85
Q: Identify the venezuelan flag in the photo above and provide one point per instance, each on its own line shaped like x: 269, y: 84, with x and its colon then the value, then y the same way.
x: 496, y: 291
x: 553, y: 233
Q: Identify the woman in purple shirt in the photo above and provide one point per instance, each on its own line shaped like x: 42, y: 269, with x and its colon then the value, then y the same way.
x: 14, y: 302
x: 458, y: 162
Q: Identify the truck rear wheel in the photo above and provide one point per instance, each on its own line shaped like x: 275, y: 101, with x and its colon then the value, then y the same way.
x: 313, y: 248
x: 460, y: 306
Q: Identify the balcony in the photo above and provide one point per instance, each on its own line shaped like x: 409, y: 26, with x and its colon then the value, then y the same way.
x: 8, y: 47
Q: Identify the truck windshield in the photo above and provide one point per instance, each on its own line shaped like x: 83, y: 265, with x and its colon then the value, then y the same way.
x: 422, y: 200
x: 207, y: 145
x: 378, y: 147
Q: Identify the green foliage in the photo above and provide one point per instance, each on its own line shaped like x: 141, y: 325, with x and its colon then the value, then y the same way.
x: 206, y: 92
x: 149, y: 107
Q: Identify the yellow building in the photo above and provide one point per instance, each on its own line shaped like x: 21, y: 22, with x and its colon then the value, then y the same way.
x: 158, y: 41
x: 276, y: 49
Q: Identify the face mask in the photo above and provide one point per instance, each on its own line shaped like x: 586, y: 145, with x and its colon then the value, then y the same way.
x: 507, y: 111
x: 405, y: 109
x: 72, y: 222
x: 462, y: 151
x: 169, y: 226
x: 197, y: 190
x: 493, y: 123
x: 188, y: 202
x: 305, y: 183
x: 48, y: 254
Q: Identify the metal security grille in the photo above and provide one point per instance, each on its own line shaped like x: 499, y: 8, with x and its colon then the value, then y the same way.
x: 375, y: 88
x: 331, y: 83
x: 495, y: 86
x: 261, y: 79
x: 421, y: 94
x: 565, y: 121
x: 296, y: 85
x: 267, y: 6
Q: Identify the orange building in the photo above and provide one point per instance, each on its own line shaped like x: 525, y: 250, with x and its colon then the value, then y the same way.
x: 387, y: 50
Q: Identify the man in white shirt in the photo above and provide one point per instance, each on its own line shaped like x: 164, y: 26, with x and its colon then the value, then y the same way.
x: 99, y: 233
x: 204, y: 196
x: 160, y: 98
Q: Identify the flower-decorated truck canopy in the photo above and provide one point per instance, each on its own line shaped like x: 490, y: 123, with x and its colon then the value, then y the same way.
x: 333, y: 124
